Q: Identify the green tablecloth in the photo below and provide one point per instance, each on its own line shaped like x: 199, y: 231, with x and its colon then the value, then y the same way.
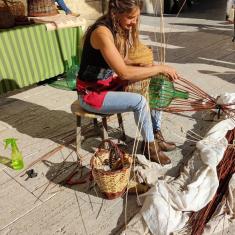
x: 29, y: 54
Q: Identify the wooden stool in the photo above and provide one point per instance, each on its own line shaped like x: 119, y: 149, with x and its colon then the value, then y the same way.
x: 81, y: 113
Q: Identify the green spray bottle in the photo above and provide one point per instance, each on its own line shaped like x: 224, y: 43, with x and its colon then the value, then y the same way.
x: 17, y: 162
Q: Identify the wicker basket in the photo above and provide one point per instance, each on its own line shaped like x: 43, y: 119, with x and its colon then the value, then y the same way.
x: 140, y: 55
x: 112, y: 181
x: 7, y: 20
x: 17, y: 8
x: 39, y: 8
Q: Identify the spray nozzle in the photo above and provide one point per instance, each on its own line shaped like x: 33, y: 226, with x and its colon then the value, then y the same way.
x: 12, y: 143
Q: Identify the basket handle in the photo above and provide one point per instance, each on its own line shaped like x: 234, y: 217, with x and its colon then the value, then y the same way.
x: 115, y: 152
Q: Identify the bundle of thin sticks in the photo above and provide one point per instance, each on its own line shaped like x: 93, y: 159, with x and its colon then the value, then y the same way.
x: 198, y: 100
x: 225, y: 170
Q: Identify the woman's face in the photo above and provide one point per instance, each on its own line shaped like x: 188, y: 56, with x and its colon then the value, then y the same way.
x: 128, y: 20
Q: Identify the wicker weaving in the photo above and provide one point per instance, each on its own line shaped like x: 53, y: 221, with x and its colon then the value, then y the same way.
x: 110, y: 173
x: 140, y: 55
x: 42, y: 8
x: 17, y: 8
x: 7, y: 19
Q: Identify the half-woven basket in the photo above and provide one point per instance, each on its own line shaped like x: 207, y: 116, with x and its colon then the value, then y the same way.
x: 37, y: 8
x: 112, y: 182
x: 140, y: 55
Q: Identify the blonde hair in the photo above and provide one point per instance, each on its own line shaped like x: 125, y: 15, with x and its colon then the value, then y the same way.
x: 124, y: 39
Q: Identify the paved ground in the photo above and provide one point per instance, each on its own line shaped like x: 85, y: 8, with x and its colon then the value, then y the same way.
x: 199, y: 46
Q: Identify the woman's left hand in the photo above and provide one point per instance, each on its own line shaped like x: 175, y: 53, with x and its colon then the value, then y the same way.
x: 169, y: 71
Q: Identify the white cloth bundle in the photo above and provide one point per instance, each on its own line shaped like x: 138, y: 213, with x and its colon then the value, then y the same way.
x: 167, y: 203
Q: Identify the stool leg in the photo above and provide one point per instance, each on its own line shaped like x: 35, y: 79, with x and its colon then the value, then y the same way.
x: 104, y: 128
x: 78, y: 133
x: 120, y: 122
x: 96, y: 125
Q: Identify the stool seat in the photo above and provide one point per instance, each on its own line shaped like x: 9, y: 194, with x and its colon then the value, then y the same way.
x: 81, y: 113
x: 78, y: 110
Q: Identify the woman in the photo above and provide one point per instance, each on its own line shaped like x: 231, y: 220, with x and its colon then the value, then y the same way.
x: 105, y: 69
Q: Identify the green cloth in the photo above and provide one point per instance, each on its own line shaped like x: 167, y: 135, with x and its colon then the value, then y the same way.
x: 29, y: 54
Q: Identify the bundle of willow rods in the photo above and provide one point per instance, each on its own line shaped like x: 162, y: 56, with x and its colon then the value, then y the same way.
x: 225, y: 170
x: 198, y: 100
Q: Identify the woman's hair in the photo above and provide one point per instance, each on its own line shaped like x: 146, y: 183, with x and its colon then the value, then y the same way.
x: 123, y: 39
x: 122, y: 6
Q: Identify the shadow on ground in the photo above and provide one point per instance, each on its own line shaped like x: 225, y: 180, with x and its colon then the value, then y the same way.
x: 8, y: 84
x: 39, y: 122
x: 206, y: 9
x: 70, y: 174
x: 60, y: 174
x: 227, y: 76
x: 212, y: 41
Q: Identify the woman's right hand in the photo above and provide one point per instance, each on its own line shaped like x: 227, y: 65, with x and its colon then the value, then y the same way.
x: 168, y: 71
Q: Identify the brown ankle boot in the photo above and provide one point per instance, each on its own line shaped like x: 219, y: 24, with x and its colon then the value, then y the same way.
x: 164, y: 145
x: 152, y: 150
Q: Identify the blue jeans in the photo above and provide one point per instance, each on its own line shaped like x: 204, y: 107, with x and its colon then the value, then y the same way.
x: 120, y: 102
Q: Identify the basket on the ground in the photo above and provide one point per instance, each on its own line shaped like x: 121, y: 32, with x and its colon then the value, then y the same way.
x: 111, y: 169
x: 39, y: 8
x: 140, y: 55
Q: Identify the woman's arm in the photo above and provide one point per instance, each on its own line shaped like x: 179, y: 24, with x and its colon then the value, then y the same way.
x: 130, y: 62
x: 102, y: 39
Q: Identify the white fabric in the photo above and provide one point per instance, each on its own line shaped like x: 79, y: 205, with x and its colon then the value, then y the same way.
x: 225, y: 212
x: 60, y: 21
x: 227, y: 98
x: 136, y: 226
x: 149, y: 172
x: 166, y: 205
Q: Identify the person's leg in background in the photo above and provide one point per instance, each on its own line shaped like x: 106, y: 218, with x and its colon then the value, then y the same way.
x: 120, y: 102
x: 228, y: 8
x: 64, y: 7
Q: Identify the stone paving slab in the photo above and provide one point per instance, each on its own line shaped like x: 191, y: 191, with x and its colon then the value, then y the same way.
x: 67, y: 213
x: 15, y: 201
